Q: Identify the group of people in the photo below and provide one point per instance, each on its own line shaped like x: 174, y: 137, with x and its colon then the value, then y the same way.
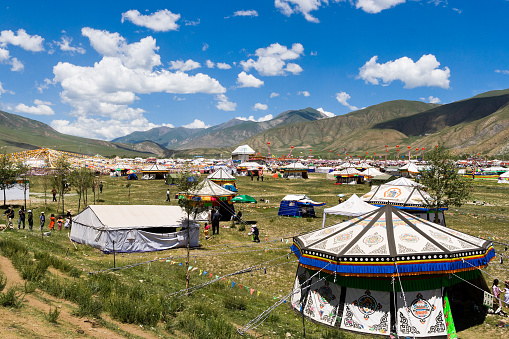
x: 213, y: 222
x: 9, y: 213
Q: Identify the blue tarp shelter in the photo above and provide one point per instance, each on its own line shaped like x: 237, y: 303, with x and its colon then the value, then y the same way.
x: 298, y: 205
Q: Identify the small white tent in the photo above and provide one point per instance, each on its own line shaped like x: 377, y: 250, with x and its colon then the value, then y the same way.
x: 353, y: 207
x: 503, y: 178
x: 133, y: 228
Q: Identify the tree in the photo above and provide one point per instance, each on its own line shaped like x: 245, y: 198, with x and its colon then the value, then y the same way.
x: 188, y: 183
x: 60, y: 176
x: 8, y: 173
x: 445, y: 185
x: 81, y: 179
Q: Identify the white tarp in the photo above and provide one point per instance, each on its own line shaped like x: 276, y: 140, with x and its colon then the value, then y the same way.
x: 16, y: 192
x: 133, y: 228
x: 367, y: 311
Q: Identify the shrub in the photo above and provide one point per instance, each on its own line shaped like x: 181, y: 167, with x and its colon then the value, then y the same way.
x: 11, y: 298
x: 142, y: 311
x: 3, y: 281
x: 52, y: 315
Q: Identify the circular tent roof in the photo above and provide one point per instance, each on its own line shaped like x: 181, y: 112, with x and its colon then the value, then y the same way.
x: 389, y: 241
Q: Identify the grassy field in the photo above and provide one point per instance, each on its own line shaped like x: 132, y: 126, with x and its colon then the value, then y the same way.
x: 51, y: 274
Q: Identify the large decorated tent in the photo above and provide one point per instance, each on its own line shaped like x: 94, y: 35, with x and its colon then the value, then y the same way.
x: 295, y: 170
x: 242, y: 153
x: 298, y: 205
x: 133, y: 228
x: 155, y: 171
x: 411, y: 198
x: 349, y: 175
x: 388, y: 272
x: 221, y: 177
x: 209, y: 194
x: 409, y: 170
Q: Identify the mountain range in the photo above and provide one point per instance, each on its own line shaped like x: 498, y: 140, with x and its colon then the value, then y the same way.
x: 475, y: 125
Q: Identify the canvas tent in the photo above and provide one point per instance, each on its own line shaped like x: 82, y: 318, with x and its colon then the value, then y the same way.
x: 408, y: 170
x: 295, y: 170
x: 154, y: 172
x: 242, y: 153
x: 388, y: 273
x: 221, y: 177
x: 353, y: 207
x: 411, y: 198
x: 503, y: 178
x: 298, y: 205
x: 133, y: 228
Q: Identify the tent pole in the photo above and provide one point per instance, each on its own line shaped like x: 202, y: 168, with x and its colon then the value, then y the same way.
x: 114, y: 262
x: 323, y: 223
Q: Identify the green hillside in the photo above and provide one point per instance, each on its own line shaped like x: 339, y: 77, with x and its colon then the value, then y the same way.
x: 18, y: 133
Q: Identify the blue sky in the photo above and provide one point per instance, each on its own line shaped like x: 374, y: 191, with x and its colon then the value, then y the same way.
x: 105, y: 69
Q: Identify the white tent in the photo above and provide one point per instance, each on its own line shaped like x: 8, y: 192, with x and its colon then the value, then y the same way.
x: 372, y: 172
x: 503, y: 178
x: 353, y: 207
x: 244, y: 149
x: 404, y: 182
x: 409, y: 169
x: 221, y: 175
x: 133, y: 228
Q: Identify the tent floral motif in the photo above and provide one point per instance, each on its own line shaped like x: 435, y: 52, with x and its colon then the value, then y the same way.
x: 385, y: 272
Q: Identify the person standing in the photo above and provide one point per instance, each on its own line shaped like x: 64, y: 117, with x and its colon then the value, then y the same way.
x: 68, y: 217
x: 42, y: 219
x: 54, y: 192
x: 261, y: 174
x: 496, y: 293
x: 30, y: 219
x: 21, y: 219
x: 101, y: 187
x: 256, y: 232
x: 215, y: 222
x: 10, y: 215
x: 51, y: 222
x: 168, y: 195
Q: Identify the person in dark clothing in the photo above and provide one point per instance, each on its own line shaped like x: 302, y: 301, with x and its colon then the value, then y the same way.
x: 215, y: 222
x: 21, y: 219
x: 54, y: 192
x: 252, y: 176
x: 9, y: 213
x: 42, y: 218
x: 168, y: 195
x: 30, y: 220
x: 256, y: 232
x: 101, y: 187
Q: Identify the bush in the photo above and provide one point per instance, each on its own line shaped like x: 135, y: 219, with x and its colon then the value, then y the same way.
x: 202, y: 322
x: 52, y: 316
x: 11, y: 298
x: 145, y: 311
x: 3, y: 281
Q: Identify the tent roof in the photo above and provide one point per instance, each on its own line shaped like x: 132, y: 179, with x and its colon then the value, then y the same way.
x: 208, y: 188
x: 295, y: 166
x: 410, y: 167
x: 221, y: 174
x: 404, y: 182
x: 389, y: 241
x: 504, y: 175
x: 155, y: 168
x: 395, y: 194
x: 244, y: 149
x: 372, y: 172
x: 354, y: 207
x: 349, y: 170
x: 302, y: 198
x: 116, y: 217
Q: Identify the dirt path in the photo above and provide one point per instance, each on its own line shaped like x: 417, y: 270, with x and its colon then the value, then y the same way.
x: 29, y: 320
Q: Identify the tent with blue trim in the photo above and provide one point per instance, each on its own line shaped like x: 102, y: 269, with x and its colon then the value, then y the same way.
x: 298, y: 205
x: 388, y: 273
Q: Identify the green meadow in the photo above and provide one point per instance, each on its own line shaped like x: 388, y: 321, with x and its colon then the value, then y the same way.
x: 146, y: 288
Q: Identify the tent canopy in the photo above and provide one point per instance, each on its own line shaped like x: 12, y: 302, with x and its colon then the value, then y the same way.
x: 404, y: 182
x: 244, y: 149
x: 302, y: 198
x: 221, y: 175
x: 353, y: 207
x: 119, y: 217
x: 208, y: 188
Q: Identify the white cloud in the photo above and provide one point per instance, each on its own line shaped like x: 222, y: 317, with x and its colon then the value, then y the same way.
x: 210, y: 64
x: 45, y: 85
x: 65, y: 45
x: 160, y: 21
x: 251, y: 13
x: 16, y: 65
x: 2, y: 90
x: 273, y: 60
x: 251, y: 118
x: 502, y: 71
x: 315, y: 53
x: 41, y: 108
x: 424, y: 72
x: 260, y: 107
x: 222, y: 65
x: 193, y: 23
x: 103, y: 129
x: 223, y: 103
x: 248, y: 80
x: 41, y: 102
x: 182, y: 66
x: 101, y: 94
x: 289, y: 7
x: 205, y: 47
x: 432, y: 100
x: 196, y: 124
x: 304, y: 93
x: 4, y: 54
x: 33, y: 43
x: 457, y: 10
x: 273, y: 95
x: 176, y: 98
x: 376, y: 6
x: 343, y: 98
x: 328, y: 114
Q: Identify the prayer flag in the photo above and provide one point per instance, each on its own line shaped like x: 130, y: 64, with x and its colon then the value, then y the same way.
x: 251, y: 291
x: 189, y: 268
x: 233, y: 284
x: 258, y: 293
